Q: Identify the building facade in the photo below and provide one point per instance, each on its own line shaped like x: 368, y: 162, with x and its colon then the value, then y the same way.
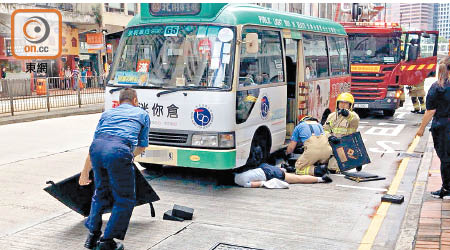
x: 443, y: 25
x: 79, y: 21
x: 416, y: 16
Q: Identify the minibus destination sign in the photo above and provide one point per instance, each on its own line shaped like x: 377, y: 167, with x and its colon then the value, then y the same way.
x: 174, y: 9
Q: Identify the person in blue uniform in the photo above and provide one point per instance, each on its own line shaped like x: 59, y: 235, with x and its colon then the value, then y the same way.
x: 311, y: 134
x: 438, y: 108
x: 121, y: 134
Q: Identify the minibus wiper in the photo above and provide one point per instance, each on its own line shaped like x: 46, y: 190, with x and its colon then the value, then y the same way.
x: 206, y: 87
x: 116, y: 89
x: 186, y: 88
x: 173, y: 90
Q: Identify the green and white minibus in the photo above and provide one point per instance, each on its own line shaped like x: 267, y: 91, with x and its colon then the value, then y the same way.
x: 221, y: 80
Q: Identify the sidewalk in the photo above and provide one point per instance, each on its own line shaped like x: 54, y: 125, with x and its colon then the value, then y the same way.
x: 41, y: 114
x: 434, y: 224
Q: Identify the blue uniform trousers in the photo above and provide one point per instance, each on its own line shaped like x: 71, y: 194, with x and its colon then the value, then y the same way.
x: 114, y: 178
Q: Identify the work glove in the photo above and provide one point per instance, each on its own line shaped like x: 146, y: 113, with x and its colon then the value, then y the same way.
x: 344, y: 112
x: 286, y: 156
x: 333, y: 139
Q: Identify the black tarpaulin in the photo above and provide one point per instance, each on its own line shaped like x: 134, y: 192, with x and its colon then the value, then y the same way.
x: 78, y: 198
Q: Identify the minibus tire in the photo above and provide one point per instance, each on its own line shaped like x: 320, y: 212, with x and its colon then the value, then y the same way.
x: 259, y: 142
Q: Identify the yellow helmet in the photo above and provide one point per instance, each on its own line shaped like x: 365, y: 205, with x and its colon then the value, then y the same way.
x: 307, y: 118
x: 345, y: 97
x: 250, y: 98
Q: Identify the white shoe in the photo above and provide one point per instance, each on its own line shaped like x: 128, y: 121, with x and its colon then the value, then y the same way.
x: 275, y: 184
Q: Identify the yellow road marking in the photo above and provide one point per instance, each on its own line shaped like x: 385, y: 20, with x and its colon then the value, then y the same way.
x: 430, y: 66
x: 377, y: 220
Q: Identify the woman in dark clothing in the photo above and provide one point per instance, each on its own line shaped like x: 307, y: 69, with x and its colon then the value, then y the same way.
x: 438, y: 108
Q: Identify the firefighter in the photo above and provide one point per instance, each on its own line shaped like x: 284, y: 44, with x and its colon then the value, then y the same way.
x: 438, y: 109
x: 342, y: 122
x: 316, y: 147
x: 417, y: 94
x: 402, y: 95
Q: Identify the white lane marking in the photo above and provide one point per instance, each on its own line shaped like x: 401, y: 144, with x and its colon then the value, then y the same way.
x: 362, y: 127
x: 366, y: 188
x: 385, y: 130
x: 384, y: 145
x: 400, y: 115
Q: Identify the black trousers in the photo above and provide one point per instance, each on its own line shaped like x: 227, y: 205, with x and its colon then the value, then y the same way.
x: 441, y: 139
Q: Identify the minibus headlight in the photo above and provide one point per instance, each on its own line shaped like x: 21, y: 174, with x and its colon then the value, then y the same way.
x: 226, y: 140
x: 205, y: 140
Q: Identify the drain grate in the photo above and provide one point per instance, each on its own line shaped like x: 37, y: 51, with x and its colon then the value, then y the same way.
x: 226, y: 246
x: 412, y: 155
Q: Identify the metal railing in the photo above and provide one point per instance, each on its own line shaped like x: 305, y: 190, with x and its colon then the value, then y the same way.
x: 17, y: 95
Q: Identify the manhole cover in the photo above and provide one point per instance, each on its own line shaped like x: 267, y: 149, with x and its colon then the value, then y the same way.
x: 225, y: 246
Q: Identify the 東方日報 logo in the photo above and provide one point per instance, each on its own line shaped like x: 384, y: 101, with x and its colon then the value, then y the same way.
x: 265, y: 107
x: 202, y: 117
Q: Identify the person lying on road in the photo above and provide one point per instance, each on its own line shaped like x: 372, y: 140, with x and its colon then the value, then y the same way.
x: 269, y: 176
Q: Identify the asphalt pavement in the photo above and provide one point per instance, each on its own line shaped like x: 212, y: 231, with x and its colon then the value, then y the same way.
x: 316, y: 216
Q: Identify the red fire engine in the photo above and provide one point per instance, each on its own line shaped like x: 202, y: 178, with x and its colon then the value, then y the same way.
x: 384, y: 59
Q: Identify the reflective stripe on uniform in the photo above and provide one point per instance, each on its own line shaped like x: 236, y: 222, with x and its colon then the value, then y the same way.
x: 309, y: 170
x: 344, y: 130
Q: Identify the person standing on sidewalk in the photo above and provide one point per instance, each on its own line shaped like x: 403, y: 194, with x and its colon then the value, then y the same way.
x: 438, y: 108
x: 121, y: 134
x: 67, y: 75
x: 75, y: 77
x: 83, y: 76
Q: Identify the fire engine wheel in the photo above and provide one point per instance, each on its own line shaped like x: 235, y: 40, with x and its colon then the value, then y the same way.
x: 389, y: 112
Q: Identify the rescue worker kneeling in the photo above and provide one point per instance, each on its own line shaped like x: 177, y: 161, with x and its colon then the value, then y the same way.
x: 342, y: 122
x: 316, y: 148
